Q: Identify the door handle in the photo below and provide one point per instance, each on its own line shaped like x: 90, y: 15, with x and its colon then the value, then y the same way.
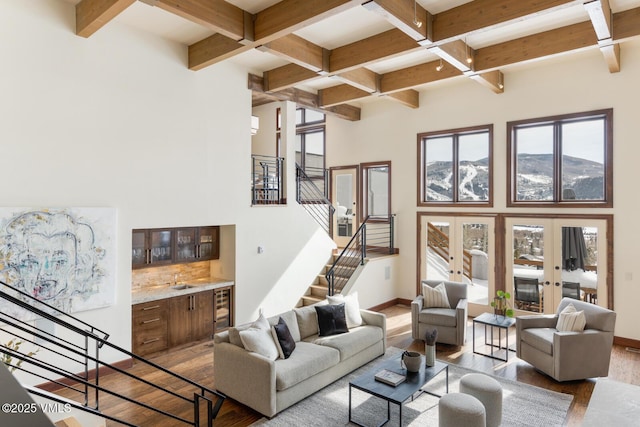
x: 557, y: 284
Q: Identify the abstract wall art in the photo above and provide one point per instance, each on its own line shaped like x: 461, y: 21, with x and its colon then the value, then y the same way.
x: 63, y: 257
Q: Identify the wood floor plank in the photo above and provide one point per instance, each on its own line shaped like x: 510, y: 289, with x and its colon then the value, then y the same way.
x: 196, y: 363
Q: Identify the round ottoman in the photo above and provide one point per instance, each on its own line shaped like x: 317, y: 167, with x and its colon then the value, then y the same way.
x: 488, y: 391
x: 459, y: 409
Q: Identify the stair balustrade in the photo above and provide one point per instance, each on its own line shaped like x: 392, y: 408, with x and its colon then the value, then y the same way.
x: 313, y: 199
x: 267, y: 180
x: 78, y: 345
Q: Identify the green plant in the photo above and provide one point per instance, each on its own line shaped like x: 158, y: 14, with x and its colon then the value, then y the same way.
x: 500, y: 303
x: 7, y: 358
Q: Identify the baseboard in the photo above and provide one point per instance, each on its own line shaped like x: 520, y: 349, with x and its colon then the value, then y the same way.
x: 391, y: 303
x: 626, y: 342
x: 63, y: 382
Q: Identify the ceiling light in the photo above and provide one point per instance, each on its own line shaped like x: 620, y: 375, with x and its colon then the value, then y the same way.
x: 440, y: 66
x: 469, y: 58
x: 500, y: 81
x: 415, y: 14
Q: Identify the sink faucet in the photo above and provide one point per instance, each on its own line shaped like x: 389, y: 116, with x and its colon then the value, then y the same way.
x: 175, y: 279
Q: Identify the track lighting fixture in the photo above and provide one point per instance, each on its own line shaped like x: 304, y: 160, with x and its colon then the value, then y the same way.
x: 415, y: 14
x: 440, y: 66
x: 469, y: 58
x: 500, y: 81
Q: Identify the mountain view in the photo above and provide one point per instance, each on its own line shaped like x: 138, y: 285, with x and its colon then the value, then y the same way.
x: 535, y: 174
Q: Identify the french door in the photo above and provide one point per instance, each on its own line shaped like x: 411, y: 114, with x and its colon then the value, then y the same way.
x: 461, y: 249
x: 344, y: 197
x: 550, y: 258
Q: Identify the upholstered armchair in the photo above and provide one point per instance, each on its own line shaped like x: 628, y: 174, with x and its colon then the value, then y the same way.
x: 450, y: 322
x: 567, y: 355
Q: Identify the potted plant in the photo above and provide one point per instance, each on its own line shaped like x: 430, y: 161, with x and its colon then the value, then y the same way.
x: 500, y: 304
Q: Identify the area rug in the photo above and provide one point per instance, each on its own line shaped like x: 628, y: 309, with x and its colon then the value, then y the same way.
x: 523, y: 405
x: 613, y: 403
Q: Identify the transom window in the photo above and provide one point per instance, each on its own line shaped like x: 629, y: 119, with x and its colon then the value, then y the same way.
x: 562, y: 160
x: 455, y: 167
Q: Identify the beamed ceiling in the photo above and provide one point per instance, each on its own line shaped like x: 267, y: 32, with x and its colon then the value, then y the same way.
x: 333, y: 55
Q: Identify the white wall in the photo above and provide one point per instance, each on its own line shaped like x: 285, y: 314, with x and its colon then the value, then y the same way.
x: 563, y: 85
x: 118, y: 120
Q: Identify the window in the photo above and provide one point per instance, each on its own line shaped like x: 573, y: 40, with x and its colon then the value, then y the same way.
x: 376, y: 190
x: 562, y: 160
x: 310, y: 144
x: 456, y: 167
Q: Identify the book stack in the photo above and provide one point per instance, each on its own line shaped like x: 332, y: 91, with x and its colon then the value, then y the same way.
x: 389, y: 377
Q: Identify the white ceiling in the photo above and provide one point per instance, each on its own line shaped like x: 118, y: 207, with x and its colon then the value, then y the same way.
x: 347, y: 27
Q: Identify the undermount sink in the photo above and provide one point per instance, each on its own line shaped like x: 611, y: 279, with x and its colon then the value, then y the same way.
x: 181, y: 287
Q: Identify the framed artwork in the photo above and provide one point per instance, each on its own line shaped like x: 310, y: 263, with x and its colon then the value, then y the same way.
x: 64, y: 257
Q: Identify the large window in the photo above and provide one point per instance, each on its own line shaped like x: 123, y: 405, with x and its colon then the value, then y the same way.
x: 376, y: 190
x: 455, y: 167
x: 562, y: 160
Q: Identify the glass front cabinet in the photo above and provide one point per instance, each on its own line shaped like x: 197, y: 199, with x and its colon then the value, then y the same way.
x: 151, y: 247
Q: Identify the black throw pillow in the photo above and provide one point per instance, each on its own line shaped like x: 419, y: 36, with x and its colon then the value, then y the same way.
x: 331, y: 319
x: 286, y: 342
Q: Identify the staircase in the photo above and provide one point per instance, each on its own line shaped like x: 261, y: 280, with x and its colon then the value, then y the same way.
x: 69, y: 359
x: 319, y: 289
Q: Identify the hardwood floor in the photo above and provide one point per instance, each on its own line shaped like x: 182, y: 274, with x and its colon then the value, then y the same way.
x: 196, y: 363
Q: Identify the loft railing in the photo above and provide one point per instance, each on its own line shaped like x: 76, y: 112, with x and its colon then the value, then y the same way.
x: 41, y: 354
x: 374, y: 236
x: 313, y: 199
x: 438, y: 242
x: 267, y: 180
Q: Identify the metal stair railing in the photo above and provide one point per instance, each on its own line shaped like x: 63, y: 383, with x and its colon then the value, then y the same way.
x: 375, y: 235
x: 79, y: 344
x: 267, y: 180
x: 314, y: 200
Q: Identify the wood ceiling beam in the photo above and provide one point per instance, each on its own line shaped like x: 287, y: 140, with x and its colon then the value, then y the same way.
x: 372, y: 49
x: 456, y: 53
x: 340, y: 94
x: 362, y: 78
x: 602, y: 21
x: 489, y: 14
x: 414, y: 76
x: 493, y: 80
x: 406, y: 15
x: 91, y: 15
x: 287, y: 76
x: 626, y: 24
x: 299, y: 51
x: 304, y: 99
x: 409, y: 98
x: 214, y: 48
x: 287, y: 16
x: 217, y: 15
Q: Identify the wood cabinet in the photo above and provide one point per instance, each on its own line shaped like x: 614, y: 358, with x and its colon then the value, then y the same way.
x: 151, y: 247
x: 190, y: 318
x: 149, y: 332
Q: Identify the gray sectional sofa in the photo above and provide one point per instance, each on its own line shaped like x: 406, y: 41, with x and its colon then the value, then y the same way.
x: 269, y: 386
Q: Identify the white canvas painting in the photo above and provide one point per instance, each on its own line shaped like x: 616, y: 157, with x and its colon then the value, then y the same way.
x: 63, y: 257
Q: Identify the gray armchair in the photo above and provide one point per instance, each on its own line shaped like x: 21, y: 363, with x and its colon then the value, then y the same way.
x: 451, y: 323
x: 567, y: 356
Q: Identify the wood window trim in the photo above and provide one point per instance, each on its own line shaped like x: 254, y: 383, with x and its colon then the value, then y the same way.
x: 421, y: 202
x: 608, y: 163
x: 364, y: 205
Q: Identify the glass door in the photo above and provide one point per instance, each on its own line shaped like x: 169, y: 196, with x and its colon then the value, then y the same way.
x: 460, y: 249
x: 186, y: 244
x: 554, y: 258
x: 208, y: 243
x: 160, y: 246
x: 344, y: 190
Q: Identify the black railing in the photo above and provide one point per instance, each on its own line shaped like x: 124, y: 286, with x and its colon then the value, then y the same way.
x: 374, y: 236
x: 77, y: 345
x: 313, y: 199
x: 267, y: 180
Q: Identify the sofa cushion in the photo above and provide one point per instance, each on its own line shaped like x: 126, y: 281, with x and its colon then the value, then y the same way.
x: 438, y: 317
x: 331, y: 320
x: 307, y: 320
x: 291, y: 320
x: 351, y: 343
x: 259, y: 341
x: 234, y: 332
x: 351, y: 307
x: 308, y: 360
x: 435, y: 297
x: 539, y: 338
x: 283, y: 339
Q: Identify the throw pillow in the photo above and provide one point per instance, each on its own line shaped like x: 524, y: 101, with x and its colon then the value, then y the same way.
x: 234, y: 333
x: 259, y: 341
x: 331, y: 319
x: 351, y: 306
x: 283, y: 339
x: 571, y: 320
x: 435, y: 297
x: 307, y: 320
